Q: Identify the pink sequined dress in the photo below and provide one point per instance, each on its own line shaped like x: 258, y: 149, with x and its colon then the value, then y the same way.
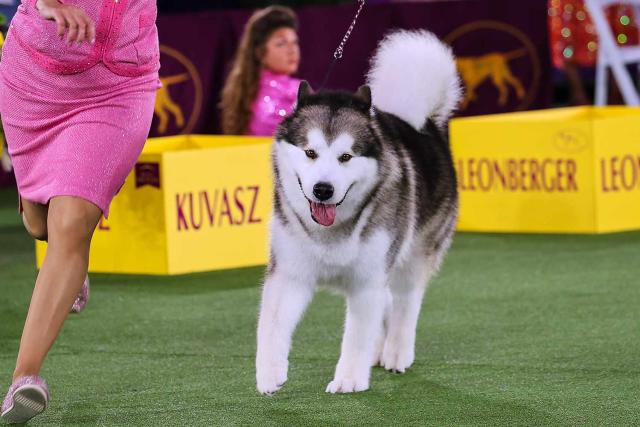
x: 276, y: 98
x: 76, y: 117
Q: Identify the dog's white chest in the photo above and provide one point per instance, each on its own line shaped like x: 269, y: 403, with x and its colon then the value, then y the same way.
x: 340, y: 260
x: 339, y: 254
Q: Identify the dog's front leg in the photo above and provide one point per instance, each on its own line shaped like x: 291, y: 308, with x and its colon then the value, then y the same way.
x: 365, y: 311
x: 284, y: 299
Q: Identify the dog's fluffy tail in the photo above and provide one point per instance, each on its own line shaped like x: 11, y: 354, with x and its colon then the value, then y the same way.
x: 413, y: 75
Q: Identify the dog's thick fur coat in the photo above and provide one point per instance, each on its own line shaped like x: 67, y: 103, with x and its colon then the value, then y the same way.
x: 365, y: 203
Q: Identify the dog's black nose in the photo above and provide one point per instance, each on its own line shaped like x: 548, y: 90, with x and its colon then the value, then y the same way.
x: 323, y: 191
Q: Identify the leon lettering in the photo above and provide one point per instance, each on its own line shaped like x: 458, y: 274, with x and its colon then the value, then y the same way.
x: 620, y: 173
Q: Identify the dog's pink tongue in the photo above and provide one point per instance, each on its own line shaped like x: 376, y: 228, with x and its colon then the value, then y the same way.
x: 324, y: 214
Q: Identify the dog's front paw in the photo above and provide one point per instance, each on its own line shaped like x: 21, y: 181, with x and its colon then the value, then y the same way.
x: 348, y: 384
x: 270, y: 377
x: 397, y: 355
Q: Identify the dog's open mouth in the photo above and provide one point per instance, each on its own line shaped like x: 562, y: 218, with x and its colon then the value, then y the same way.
x: 323, y: 214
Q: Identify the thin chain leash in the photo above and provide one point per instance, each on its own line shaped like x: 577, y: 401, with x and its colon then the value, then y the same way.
x: 337, y: 55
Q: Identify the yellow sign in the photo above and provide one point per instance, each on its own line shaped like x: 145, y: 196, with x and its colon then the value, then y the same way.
x: 198, y: 203
x: 193, y: 203
x: 573, y: 170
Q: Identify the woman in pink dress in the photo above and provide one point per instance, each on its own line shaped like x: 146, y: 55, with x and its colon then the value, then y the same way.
x: 77, y: 89
x: 260, y: 91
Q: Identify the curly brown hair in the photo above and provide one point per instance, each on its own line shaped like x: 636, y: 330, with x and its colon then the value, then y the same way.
x: 241, y: 86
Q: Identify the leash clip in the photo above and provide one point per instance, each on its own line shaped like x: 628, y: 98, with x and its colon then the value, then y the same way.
x: 337, y: 55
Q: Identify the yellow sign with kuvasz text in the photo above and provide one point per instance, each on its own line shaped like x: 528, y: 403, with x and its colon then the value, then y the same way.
x: 192, y: 203
x: 573, y: 170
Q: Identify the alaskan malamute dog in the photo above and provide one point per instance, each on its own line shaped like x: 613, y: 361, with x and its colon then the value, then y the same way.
x: 365, y: 203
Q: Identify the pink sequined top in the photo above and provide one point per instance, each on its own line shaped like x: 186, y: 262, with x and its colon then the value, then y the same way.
x: 276, y: 98
x: 126, y: 37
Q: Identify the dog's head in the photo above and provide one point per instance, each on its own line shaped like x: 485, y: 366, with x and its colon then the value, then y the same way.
x: 326, y: 154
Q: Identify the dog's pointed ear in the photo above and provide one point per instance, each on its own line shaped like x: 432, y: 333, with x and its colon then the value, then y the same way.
x: 364, y: 94
x: 304, y: 90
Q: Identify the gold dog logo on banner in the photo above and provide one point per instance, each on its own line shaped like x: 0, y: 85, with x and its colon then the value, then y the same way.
x: 169, y: 111
x: 165, y: 105
x: 494, y: 66
x: 497, y: 67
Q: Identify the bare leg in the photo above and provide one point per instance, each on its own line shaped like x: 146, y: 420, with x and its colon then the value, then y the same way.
x: 34, y: 218
x: 70, y: 223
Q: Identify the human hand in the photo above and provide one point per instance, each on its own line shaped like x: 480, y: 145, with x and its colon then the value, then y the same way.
x: 73, y: 20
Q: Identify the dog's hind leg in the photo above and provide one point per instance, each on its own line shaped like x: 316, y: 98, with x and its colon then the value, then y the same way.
x: 382, y: 334
x: 513, y: 80
x: 284, y: 300
x: 176, y: 111
x: 408, y: 284
x: 503, y: 89
x: 163, y: 116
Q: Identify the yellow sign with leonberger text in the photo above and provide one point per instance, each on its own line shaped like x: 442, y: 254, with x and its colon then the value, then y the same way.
x: 573, y: 170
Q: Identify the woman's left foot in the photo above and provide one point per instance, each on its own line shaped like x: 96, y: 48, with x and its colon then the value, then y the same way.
x: 27, y: 397
x: 83, y: 297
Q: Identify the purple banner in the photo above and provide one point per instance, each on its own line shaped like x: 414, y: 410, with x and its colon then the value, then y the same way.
x: 502, y: 50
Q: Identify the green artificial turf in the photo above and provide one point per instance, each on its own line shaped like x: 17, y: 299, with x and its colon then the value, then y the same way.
x: 516, y: 330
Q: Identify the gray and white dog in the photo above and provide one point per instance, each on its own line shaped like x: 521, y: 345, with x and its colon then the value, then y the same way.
x: 365, y: 203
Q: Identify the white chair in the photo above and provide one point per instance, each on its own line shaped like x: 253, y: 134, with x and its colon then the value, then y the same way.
x: 610, y: 54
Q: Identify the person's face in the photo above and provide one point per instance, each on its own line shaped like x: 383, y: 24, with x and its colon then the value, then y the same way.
x: 282, y: 52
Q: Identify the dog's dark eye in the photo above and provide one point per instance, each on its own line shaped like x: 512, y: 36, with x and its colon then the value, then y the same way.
x: 311, y: 154
x: 345, y: 158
